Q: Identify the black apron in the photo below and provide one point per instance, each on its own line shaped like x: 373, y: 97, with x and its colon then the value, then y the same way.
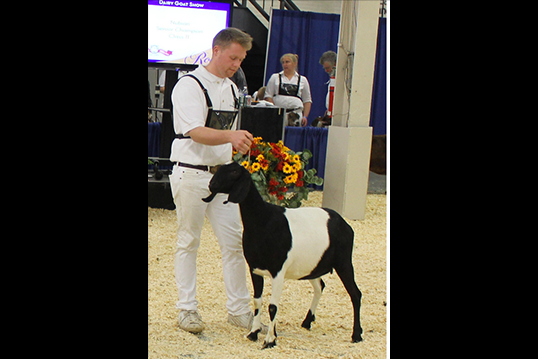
x: 288, y: 89
x: 217, y: 119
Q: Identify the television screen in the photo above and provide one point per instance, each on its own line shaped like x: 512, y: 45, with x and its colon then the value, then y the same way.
x: 182, y: 32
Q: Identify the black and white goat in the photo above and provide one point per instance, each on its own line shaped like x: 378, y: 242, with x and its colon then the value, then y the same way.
x: 301, y: 243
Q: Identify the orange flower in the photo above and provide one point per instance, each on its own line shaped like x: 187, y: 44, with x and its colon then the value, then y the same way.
x: 264, y: 164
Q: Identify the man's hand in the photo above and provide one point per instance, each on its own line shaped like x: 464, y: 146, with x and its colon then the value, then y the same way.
x: 241, y: 140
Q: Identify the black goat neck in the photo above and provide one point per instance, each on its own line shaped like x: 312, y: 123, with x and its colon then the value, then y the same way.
x: 254, y: 210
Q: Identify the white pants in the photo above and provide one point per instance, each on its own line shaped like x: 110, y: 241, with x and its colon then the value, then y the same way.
x: 188, y: 187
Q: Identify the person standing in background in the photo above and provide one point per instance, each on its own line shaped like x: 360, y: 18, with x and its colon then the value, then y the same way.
x: 328, y: 61
x: 290, y: 90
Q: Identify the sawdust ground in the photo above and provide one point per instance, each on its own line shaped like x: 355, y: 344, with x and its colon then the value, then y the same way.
x: 330, y: 336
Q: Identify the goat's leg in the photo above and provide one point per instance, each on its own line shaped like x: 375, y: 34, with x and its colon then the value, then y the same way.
x: 318, y: 285
x: 277, y: 284
x: 257, y: 283
x: 346, y: 274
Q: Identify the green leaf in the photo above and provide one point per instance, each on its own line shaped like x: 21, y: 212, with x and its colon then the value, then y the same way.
x: 307, y: 155
x: 318, y: 181
x: 256, y: 177
x: 261, y: 189
x: 294, y: 204
x: 238, y: 157
x: 309, y: 175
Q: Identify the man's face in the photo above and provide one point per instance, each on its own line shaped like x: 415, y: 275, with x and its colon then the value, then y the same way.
x: 229, y: 59
x: 328, y: 67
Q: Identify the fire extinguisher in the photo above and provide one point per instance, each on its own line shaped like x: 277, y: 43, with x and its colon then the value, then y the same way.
x: 331, y: 97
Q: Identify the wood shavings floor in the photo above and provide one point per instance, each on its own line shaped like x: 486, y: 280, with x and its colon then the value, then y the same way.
x: 330, y: 336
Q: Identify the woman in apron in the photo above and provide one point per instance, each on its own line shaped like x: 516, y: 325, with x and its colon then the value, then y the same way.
x: 290, y: 90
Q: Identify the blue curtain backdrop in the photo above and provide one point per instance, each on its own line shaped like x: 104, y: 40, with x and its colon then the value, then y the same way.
x: 378, y: 116
x: 313, y: 139
x: 309, y: 35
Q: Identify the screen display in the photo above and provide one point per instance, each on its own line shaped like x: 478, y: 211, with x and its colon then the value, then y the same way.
x: 182, y: 32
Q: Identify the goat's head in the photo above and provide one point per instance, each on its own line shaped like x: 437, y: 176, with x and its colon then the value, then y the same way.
x: 231, y: 178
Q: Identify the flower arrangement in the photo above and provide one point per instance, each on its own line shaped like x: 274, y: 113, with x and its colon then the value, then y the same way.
x: 278, y: 172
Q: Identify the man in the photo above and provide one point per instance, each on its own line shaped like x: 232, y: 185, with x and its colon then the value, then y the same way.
x: 204, y: 141
x: 328, y: 61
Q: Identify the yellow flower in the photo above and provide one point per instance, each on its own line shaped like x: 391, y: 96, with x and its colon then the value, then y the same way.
x: 297, y: 166
x: 245, y: 164
x: 287, y: 168
x: 260, y: 158
x: 283, y: 148
x: 255, y: 167
x: 291, y: 178
x: 296, y: 159
x: 257, y: 140
x: 286, y: 156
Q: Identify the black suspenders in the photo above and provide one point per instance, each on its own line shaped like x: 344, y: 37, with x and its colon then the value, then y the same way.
x: 207, y: 99
x: 208, y: 102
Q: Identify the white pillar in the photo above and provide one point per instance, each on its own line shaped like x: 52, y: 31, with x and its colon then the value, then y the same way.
x: 350, y: 136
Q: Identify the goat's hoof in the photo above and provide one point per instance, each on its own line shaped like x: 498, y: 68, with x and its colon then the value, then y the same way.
x: 308, y: 320
x: 356, y: 339
x: 269, y: 345
x: 253, y: 336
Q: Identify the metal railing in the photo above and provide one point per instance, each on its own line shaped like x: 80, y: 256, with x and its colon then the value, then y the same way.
x: 383, y: 8
x: 264, y: 6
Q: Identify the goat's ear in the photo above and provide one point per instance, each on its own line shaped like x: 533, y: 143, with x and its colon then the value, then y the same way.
x: 209, y: 198
x: 241, y: 187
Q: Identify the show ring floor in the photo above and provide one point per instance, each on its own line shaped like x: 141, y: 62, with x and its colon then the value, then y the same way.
x: 330, y: 336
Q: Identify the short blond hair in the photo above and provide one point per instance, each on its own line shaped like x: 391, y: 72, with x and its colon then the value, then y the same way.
x: 230, y: 35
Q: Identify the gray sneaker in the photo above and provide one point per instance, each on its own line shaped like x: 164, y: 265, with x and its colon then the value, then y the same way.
x: 245, y: 321
x: 190, y: 321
